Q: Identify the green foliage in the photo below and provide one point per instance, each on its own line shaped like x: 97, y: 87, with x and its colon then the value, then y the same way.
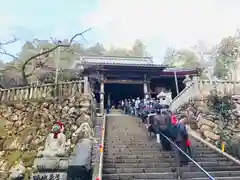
x: 221, y: 68
x: 221, y: 105
x: 63, y: 57
x: 183, y: 58
x: 222, y: 56
x: 69, y: 55
x: 225, y: 54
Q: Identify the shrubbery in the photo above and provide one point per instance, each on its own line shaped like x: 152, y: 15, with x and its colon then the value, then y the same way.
x: 222, y: 105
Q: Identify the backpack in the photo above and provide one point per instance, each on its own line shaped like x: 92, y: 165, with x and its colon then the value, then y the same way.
x: 162, y: 121
x: 178, y: 132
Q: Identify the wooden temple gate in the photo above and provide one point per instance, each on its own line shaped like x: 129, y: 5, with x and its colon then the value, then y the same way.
x: 101, y: 74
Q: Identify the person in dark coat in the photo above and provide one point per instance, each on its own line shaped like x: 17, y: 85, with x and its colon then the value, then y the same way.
x: 161, y: 123
x: 180, y: 137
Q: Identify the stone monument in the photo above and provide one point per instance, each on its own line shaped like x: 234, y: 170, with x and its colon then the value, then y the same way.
x: 53, y: 158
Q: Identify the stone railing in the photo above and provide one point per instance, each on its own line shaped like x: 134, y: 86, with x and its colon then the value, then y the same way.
x: 223, y: 86
x: 46, y: 91
x: 195, y: 87
x: 191, y: 90
x: 183, y: 96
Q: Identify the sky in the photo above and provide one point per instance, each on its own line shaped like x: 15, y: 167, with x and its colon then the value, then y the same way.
x: 158, y: 23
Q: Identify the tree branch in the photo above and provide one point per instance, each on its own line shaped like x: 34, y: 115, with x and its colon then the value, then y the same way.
x: 25, y: 76
x: 8, y: 42
x: 4, y: 52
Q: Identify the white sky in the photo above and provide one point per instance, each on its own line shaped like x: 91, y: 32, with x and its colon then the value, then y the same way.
x: 180, y: 23
x: 159, y: 23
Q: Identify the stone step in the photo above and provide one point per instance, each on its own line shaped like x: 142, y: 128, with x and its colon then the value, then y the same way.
x: 139, y: 150
x: 141, y: 160
x: 165, y: 164
x: 141, y: 140
x: 159, y: 155
x: 201, y: 178
x: 144, y: 142
x: 132, y: 176
x: 169, y: 175
x: 149, y: 147
x: 191, y: 168
x: 218, y: 178
x: 125, y: 152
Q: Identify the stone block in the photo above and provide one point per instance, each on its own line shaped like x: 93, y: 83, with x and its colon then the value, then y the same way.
x: 49, y: 176
x: 51, y: 163
x: 82, y: 154
x: 80, y: 162
x: 205, y: 128
x: 211, y: 135
x: 206, y: 122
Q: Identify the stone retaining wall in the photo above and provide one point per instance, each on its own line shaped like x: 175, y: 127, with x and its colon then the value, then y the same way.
x: 209, y: 124
x: 25, y: 125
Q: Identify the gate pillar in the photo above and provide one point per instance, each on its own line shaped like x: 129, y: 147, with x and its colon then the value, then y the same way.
x: 102, y: 96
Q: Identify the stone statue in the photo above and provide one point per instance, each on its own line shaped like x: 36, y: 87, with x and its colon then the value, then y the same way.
x: 187, y: 81
x: 55, y: 144
x: 61, y: 124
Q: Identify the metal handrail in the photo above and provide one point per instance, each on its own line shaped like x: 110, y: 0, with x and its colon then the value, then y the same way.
x: 102, y: 143
x: 200, y: 167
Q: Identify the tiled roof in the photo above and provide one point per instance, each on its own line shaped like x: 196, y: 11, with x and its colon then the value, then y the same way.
x: 172, y: 69
x: 121, y: 64
x: 113, y: 59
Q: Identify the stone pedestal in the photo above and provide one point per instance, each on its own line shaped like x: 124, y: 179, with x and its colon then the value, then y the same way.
x: 51, y: 163
x: 80, y: 162
x: 49, y: 176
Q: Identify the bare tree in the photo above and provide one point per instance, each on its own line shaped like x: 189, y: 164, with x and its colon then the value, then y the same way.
x: 3, y: 45
x: 42, y: 56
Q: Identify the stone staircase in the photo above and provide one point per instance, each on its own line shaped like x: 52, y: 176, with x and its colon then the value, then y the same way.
x: 129, y: 154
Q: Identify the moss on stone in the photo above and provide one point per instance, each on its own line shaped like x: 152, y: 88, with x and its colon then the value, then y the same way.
x: 8, y: 141
x: 3, y: 130
x: 28, y: 158
x: 24, y: 134
x: 12, y: 157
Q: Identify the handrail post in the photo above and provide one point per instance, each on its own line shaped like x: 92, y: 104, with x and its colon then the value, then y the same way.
x: 103, y: 129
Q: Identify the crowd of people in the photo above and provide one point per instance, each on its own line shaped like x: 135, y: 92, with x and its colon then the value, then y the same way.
x: 160, y: 121
x: 133, y: 107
